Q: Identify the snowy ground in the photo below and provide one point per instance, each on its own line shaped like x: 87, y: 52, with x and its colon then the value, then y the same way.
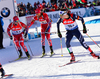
x: 48, y: 67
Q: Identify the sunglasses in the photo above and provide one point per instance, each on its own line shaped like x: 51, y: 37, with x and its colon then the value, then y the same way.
x: 17, y: 21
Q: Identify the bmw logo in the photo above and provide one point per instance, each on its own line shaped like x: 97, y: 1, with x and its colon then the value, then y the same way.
x: 5, y: 12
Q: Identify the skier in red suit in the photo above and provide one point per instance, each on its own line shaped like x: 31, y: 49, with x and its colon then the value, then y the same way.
x: 17, y: 35
x: 45, y: 28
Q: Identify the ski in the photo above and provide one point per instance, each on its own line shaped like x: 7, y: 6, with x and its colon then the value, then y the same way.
x: 29, y: 58
x: 52, y: 54
x: 17, y: 59
x: 5, y: 76
x: 43, y: 55
x: 69, y: 63
x: 8, y: 75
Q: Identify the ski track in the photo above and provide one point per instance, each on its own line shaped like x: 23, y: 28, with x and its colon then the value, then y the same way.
x: 48, y: 67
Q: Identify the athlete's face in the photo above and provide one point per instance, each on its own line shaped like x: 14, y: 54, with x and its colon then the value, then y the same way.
x: 64, y: 16
x: 16, y: 22
x: 38, y: 14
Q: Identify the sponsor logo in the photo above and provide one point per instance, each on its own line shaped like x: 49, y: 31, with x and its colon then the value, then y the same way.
x: 67, y: 22
x: 5, y: 12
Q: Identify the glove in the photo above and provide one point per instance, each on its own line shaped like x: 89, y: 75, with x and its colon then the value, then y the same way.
x: 24, y: 31
x: 59, y: 34
x: 25, y: 35
x: 11, y: 37
x: 46, y: 32
x: 32, y: 22
x: 84, y: 30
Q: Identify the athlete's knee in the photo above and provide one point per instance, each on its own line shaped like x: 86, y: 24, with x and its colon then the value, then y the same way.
x: 67, y: 44
x: 85, y: 45
x: 43, y: 42
x: 49, y: 41
x: 22, y: 43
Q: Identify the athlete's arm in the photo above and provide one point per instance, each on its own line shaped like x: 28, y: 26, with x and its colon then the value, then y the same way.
x: 8, y: 29
x: 58, y: 23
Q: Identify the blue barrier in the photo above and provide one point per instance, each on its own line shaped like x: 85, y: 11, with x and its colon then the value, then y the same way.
x: 93, y: 21
x: 34, y: 35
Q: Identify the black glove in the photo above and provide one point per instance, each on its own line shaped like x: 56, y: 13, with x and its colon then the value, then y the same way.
x: 59, y: 34
x: 11, y: 37
x: 84, y: 30
x: 24, y: 31
x: 46, y: 32
x: 25, y: 35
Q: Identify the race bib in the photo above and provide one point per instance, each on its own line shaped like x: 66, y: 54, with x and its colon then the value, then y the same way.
x: 70, y: 26
x: 17, y: 32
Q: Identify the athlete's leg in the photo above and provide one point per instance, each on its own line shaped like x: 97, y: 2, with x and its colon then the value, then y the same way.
x: 49, y: 41
x: 82, y: 41
x: 68, y: 38
x: 43, y: 39
x: 21, y: 40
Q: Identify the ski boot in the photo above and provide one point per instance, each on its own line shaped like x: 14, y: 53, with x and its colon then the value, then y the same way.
x: 94, y: 55
x: 72, y: 57
x: 52, y: 53
x: 20, y: 53
x: 28, y: 55
x: 43, y: 51
x: 2, y: 72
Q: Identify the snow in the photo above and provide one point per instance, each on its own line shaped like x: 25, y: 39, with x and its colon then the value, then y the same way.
x: 48, y: 67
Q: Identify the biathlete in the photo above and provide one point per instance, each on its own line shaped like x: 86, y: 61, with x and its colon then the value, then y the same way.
x: 45, y: 28
x: 17, y: 35
x: 68, y: 19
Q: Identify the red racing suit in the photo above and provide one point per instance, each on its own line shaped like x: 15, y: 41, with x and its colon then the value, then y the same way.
x: 45, y: 27
x: 17, y: 33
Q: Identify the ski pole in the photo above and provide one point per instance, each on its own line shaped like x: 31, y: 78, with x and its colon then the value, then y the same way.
x: 61, y: 46
x: 92, y: 40
x: 30, y: 48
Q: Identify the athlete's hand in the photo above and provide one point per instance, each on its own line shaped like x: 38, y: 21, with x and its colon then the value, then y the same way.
x: 32, y: 22
x: 11, y: 37
x: 25, y: 35
x: 59, y: 34
x: 46, y: 32
x: 84, y: 30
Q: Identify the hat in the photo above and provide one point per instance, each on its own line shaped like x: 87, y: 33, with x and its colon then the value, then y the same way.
x: 62, y: 13
x: 37, y: 11
x: 15, y: 18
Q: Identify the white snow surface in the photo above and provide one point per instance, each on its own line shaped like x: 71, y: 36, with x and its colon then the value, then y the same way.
x: 48, y: 67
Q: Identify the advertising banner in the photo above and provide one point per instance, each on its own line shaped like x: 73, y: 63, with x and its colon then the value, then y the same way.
x: 29, y: 19
x: 7, y: 9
